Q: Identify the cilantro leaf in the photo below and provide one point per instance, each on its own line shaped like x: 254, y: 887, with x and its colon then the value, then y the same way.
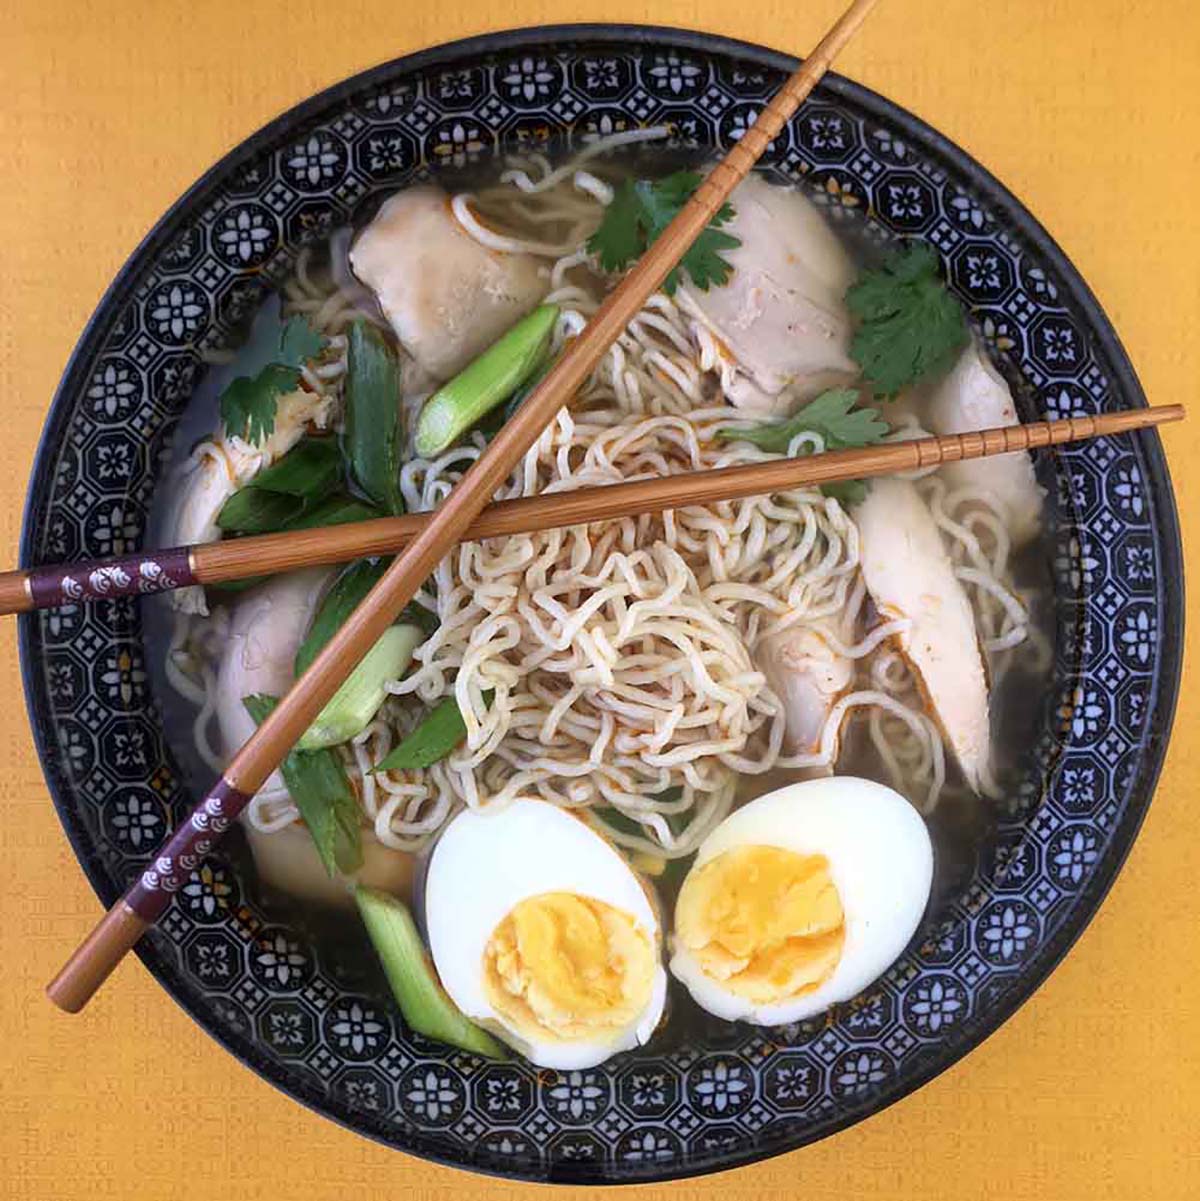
x: 703, y: 261
x: 248, y: 403
x: 620, y: 238
x: 833, y: 416
x: 640, y: 211
x: 909, y: 324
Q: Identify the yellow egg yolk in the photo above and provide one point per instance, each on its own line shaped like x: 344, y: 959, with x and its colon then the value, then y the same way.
x: 765, y: 922
x: 566, y: 967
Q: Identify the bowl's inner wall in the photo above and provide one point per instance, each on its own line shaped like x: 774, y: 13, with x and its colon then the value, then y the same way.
x: 309, y: 1012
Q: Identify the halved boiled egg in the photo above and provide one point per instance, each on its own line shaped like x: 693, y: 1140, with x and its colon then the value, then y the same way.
x: 800, y: 899
x: 543, y: 934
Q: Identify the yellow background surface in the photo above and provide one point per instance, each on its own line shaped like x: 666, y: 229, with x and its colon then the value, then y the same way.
x: 1087, y: 109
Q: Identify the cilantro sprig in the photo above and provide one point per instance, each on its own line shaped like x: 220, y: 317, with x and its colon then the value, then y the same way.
x: 641, y: 209
x: 249, y: 403
x: 834, y: 417
x: 909, y: 324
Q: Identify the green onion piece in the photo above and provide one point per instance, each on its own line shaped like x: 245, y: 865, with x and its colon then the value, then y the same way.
x: 334, y: 510
x: 423, y: 1001
x: 356, y: 702
x: 615, y: 819
x: 281, y: 495
x: 323, y: 794
x: 430, y: 741
x: 309, y: 470
x: 340, y: 601
x: 487, y: 382
x: 372, y: 438
x: 252, y: 511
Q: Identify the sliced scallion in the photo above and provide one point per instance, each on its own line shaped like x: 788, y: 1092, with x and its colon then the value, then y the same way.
x: 356, y: 702
x: 372, y: 437
x: 423, y: 1001
x: 309, y: 470
x: 485, y: 383
x: 431, y: 740
x: 322, y: 792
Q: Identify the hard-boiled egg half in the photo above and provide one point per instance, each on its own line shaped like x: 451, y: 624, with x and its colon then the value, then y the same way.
x: 543, y: 934
x: 800, y: 899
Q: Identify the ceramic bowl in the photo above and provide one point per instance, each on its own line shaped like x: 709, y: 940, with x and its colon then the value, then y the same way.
x: 311, y: 1014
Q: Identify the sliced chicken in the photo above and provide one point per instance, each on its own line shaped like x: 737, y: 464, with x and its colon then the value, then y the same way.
x: 221, y: 465
x: 808, y: 675
x: 447, y: 297
x: 780, y: 324
x: 910, y: 576
x: 266, y: 628
x: 974, y: 396
x: 287, y: 860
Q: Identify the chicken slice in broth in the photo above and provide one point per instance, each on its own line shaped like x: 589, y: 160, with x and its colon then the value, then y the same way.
x: 446, y: 296
x: 808, y: 675
x: 779, y: 328
x: 910, y: 577
x: 974, y: 396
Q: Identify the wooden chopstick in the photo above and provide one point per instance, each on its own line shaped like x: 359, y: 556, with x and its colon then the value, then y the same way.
x: 269, y: 554
x: 148, y: 899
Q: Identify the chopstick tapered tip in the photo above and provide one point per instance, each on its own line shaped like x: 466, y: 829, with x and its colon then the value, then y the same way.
x: 114, y: 935
x: 1163, y: 414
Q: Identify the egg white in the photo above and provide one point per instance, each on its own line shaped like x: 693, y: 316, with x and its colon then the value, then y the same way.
x: 484, y: 864
x: 880, y: 859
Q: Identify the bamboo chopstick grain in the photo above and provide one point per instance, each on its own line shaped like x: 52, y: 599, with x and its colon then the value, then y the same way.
x: 268, y: 554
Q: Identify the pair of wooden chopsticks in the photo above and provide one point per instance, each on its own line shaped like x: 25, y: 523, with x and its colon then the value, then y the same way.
x: 462, y: 516
x: 269, y: 554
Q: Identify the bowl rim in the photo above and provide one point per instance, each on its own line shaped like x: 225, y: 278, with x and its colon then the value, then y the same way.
x: 1170, y: 586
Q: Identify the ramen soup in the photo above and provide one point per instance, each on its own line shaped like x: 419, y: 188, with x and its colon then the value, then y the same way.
x: 738, y: 744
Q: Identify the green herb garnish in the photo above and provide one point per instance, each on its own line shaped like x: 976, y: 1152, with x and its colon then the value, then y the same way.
x: 248, y: 404
x: 431, y: 740
x: 373, y: 433
x: 310, y: 470
x: 641, y: 209
x: 909, y: 324
x: 253, y: 511
x: 833, y: 416
x: 282, y: 495
x: 338, y: 509
x: 318, y: 784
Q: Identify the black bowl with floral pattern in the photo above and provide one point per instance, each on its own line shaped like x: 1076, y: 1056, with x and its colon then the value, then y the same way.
x: 309, y: 1013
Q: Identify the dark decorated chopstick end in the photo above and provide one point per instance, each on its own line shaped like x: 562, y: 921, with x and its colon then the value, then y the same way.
x: 104, y: 579
x: 133, y: 914
x: 183, y: 852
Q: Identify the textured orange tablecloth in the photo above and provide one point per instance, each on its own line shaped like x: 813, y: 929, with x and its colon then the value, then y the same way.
x: 1087, y: 109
